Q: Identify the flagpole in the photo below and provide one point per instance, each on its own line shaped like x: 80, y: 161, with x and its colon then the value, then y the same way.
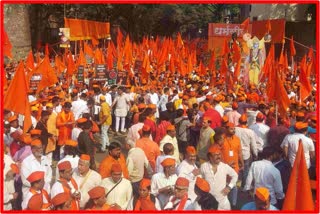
x: 299, y: 43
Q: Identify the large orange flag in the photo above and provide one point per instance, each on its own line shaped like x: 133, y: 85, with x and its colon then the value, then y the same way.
x: 299, y: 195
x: 305, y: 87
x: 16, y: 98
x: 202, y: 69
x: 48, y: 75
x: 30, y: 61
x: 7, y: 47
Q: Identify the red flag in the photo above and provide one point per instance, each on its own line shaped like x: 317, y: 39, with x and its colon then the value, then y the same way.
x: 119, y: 39
x: 311, y: 63
x: 212, y: 63
x: 202, y: 69
x: 225, y: 49
x: 179, y: 41
x: 224, y: 67
x: 30, y: 61
x: 299, y: 195
x: 190, y: 65
x: 305, y: 86
x: 46, y: 50
x: 16, y: 97
x: 292, y: 48
x: 245, y: 24
x: 7, y: 46
x: 265, y: 71
x: 98, y: 58
x: 95, y: 41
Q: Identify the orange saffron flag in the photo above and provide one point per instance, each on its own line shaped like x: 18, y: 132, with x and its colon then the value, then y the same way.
x: 245, y: 24
x: 81, y: 60
x: 30, y: 61
x: 299, y: 195
x: 16, y: 98
x: 71, y: 67
x: 88, y: 50
x: 7, y: 46
x: 48, y: 75
x: 268, y: 26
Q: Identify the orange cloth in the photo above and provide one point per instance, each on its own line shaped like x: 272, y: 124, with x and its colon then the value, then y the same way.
x: 18, y: 88
x: 96, y: 192
x: 150, y: 148
x: 45, y: 194
x: 299, y: 183
x: 66, y: 189
x: 144, y: 204
x: 106, y: 164
x: 104, y: 207
x: 232, y: 151
x: 64, y: 129
x: 203, y: 184
x: 60, y: 199
x: 35, y: 202
x: 262, y: 193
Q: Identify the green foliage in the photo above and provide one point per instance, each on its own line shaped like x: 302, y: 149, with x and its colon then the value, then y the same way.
x: 137, y: 20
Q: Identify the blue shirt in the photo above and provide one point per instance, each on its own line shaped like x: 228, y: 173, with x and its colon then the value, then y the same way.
x: 252, y: 206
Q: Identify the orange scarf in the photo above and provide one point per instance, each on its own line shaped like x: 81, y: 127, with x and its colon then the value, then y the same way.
x: 145, y: 204
x: 182, y: 203
x: 67, y: 189
x: 45, y: 194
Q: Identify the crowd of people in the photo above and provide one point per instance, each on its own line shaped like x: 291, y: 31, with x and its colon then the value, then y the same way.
x: 187, y: 144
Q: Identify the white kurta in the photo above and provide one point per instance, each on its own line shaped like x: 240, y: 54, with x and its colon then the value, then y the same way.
x: 218, y: 181
x: 121, y: 194
x: 265, y: 174
x: 185, y: 170
x: 262, y: 131
x: 292, y: 142
x: 78, y: 108
x: 86, y: 183
x: 248, y: 142
x: 31, y: 164
x: 159, y: 181
x: 8, y: 185
x: 187, y: 206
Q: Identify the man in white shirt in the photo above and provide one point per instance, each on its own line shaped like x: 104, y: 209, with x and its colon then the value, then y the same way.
x: 188, y: 169
x: 216, y: 172
x: 80, y: 106
x: 136, y: 163
x: 290, y: 144
x: 162, y: 182
x: 170, y: 137
x: 164, y: 99
x: 85, y: 178
x: 248, y: 144
x: 67, y: 184
x: 118, y: 189
x: 261, y: 129
x: 35, y: 162
x: 264, y: 174
x: 217, y: 105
